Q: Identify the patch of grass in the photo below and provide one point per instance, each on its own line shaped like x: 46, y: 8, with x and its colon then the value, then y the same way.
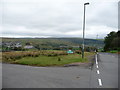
x: 44, y: 58
x: 52, y: 61
x: 12, y: 56
x: 113, y: 51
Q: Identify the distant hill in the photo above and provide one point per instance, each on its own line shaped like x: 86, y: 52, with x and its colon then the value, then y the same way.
x: 57, y: 41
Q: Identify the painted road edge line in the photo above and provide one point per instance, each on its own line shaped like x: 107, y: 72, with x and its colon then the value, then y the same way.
x: 100, y: 82
x: 96, y: 60
x: 98, y: 72
x: 97, y: 65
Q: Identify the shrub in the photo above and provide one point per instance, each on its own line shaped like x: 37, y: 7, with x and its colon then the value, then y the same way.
x: 8, y: 56
x: 78, y: 51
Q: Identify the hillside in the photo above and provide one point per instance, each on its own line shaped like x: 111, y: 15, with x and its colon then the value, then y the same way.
x: 54, y: 42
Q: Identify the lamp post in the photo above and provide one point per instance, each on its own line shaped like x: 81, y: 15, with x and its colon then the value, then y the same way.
x: 84, y: 29
x: 96, y: 43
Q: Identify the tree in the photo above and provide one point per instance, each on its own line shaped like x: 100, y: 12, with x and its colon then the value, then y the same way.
x: 111, y: 41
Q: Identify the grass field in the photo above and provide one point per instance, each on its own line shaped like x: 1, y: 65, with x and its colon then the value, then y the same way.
x: 52, y: 61
x: 113, y: 51
x: 45, y: 58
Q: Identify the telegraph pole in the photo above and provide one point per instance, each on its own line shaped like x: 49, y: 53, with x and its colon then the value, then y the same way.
x: 84, y: 29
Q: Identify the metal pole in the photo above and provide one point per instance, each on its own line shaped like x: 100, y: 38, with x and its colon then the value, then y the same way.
x: 84, y: 30
x: 96, y: 42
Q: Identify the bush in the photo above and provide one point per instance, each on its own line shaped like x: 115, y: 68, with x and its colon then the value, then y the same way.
x: 8, y: 56
x: 78, y: 51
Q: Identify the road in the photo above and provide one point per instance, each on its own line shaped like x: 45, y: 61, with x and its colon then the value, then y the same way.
x: 105, y: 71
x: 0, y: 76
x: 103, y: 74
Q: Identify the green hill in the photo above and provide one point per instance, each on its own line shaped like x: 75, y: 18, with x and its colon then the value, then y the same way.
x: 55, y: 42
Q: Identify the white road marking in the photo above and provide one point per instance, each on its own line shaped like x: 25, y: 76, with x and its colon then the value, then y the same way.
x: 97, y: 65
x: 96, y: 60
x: 100, y: 82
x: 98, y: 72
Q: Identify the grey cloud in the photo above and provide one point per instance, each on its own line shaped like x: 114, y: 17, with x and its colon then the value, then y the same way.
x: 104, y: 14
x: 56, y: 18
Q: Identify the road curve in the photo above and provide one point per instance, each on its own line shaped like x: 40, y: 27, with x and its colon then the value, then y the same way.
x: 20, y: 76
x: 103, y: 74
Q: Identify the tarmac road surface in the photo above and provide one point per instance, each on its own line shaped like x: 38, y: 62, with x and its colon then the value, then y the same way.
x: 19, y: 76
x: 105, y: 71
x: 103, y: 74
x: 0, y: 76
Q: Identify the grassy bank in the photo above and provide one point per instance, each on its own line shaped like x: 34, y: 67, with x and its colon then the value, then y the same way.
x: 113, y: 51
x: 44, y: 58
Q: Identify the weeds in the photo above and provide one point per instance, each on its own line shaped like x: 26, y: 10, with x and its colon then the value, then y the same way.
x: 12, y: 56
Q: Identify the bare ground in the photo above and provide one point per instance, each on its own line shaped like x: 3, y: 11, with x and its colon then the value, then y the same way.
x: 90, y: 62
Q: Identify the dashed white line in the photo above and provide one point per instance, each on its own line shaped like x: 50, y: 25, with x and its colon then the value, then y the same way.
x: 97, y: 65
x: 100, y: 82
x: 96, y: 60
x: 98, y: 72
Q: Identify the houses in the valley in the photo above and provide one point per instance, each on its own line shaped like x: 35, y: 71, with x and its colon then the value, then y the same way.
x: 8, y: 46
x: 11, y: 44
x: 28, y: 47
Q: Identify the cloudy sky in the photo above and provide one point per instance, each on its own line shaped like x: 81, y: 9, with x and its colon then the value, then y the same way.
x: 57, y: 18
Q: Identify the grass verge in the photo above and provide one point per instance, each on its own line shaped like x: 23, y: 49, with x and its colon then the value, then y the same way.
x: 53, y: 61
x: 113, y: 51
x: 44, y: 58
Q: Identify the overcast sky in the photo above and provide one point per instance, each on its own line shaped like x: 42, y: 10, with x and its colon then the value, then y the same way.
x: 57, y: 18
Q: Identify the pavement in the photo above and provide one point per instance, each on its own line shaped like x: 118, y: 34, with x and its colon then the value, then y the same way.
x: 103, y: 74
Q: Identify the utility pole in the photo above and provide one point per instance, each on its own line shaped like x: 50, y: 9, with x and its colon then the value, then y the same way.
x: 84, y: 29
x: 96, y: 42
x: 97, y: 36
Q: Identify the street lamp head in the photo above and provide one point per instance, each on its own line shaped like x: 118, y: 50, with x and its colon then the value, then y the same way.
x: 86, y: 3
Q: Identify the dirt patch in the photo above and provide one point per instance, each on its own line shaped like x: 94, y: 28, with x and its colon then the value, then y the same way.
x: 90, y: 63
